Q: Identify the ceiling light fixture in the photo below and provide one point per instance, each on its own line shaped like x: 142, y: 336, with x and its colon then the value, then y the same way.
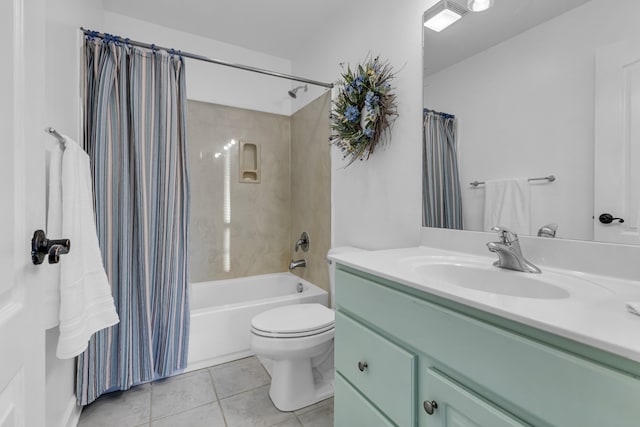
x: 479, y: 5
x: 442, y: 14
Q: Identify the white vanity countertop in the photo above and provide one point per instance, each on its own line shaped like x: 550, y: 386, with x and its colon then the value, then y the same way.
x: 599, y: 320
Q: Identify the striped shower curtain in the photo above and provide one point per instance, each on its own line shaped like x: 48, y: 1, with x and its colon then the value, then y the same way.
x: 441, y: 198
x: 135, y: 135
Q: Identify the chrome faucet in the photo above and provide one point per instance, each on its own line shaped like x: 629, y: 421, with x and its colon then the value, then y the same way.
x: 509, y: 252
x: 299, y: 263
x: 303, y: 242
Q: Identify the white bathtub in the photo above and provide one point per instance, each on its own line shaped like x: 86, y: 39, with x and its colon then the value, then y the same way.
x: 221, y: 313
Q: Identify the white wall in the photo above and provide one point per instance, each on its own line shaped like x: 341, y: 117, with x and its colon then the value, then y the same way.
x: 210, y: 82
x: 62, y: 111
x: 526, y: 109
x: 377, y: 203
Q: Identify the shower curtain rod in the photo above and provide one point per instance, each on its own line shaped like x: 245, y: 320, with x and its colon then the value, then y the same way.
x: 440, y: 113
x: 205, y: 59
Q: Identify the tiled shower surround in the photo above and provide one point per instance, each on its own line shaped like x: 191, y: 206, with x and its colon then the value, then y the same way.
x: 241, y: 229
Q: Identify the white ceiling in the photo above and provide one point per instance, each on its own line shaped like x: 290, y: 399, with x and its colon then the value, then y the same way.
x: 275, y: 27
x: 282, y: 27
x: 476, y: 32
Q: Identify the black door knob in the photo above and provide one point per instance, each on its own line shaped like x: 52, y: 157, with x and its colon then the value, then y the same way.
x: 41, y: 247
x: 607, y: 218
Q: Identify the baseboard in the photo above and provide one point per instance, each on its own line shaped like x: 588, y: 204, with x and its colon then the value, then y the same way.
x: 207, y: 363
x: 71, y: 414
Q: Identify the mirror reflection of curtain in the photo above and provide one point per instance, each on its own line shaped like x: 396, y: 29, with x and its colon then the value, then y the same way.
x: 442, y: 202
x: 135, y: 134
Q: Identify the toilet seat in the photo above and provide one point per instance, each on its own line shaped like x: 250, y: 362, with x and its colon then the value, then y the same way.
x: 293, y: 321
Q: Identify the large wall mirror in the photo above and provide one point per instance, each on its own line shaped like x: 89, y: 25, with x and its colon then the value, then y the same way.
x: 532, y: 89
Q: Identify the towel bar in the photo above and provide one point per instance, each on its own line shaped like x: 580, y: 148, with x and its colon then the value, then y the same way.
x: 549, y: 178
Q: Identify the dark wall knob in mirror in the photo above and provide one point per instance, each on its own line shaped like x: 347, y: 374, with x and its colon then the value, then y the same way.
x: 607, y: 218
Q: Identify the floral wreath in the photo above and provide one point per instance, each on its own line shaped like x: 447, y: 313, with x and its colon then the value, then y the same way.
x: 363, y: 110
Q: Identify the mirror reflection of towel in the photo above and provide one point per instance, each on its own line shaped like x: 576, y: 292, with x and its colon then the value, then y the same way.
x: 507, y: 203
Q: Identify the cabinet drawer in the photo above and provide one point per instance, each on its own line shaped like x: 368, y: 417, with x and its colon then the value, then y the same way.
x: 532, y: 380
x: 457, y: 406
x: 388, y: 377
x: 351, y: 409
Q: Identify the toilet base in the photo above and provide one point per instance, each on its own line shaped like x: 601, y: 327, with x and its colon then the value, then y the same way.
x: 293, y: 387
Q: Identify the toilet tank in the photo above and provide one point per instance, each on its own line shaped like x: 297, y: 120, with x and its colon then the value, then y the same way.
x: 332, y: 268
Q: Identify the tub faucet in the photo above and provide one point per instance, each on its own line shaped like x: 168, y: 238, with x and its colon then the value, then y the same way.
x: 509, y: 252
x: 298, y: 263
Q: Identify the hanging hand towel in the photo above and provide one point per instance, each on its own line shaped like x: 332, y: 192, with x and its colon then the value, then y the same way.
x: 507, y: 203
x: 86, y: 303
x: 51, y: 283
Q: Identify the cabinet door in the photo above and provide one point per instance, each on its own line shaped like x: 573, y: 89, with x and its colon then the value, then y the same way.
x: 380, y: 369
x: 351, y: 409
x: 455, y: 406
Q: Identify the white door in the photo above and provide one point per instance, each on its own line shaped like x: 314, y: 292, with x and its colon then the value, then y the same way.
x: 22, y: 195
x: 617, y: 142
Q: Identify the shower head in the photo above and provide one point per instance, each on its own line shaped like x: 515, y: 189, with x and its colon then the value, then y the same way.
x: 292, y: 92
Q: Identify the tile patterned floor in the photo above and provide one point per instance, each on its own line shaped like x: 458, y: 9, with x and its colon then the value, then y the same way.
x: 235, y: 394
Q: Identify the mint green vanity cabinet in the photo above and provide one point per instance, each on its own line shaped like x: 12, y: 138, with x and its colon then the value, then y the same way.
x: 354, y: 409
x: 380, y: 369
x: 479, y: 372
x: 457, y: 406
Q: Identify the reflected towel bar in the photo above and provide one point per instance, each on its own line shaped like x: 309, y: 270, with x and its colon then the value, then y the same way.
x: 549, y: 178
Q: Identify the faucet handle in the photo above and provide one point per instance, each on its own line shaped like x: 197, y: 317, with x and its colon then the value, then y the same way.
x: 506, y: 236
x: 303, y: 242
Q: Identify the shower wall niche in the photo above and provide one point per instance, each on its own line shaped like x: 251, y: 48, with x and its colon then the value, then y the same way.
x: 249, y: 162
x: 240, y: 211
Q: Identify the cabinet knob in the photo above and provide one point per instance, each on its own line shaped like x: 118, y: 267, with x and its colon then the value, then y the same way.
x: 430, y: 407
x: 362, y: 366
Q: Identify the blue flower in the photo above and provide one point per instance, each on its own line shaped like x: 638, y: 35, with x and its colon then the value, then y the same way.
x: 370, y: 95
x: 349, y: 90
x: 372, y: 99
x: 358, y: 83
x: 368, y: 132
x: 352, y: 113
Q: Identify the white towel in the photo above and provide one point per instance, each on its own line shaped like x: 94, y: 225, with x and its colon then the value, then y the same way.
x: 507, y: 203
x: 51, y: 282
x: 86, y: 303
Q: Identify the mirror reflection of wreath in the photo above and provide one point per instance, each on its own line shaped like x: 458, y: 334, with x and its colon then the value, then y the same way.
x: 364, y: 109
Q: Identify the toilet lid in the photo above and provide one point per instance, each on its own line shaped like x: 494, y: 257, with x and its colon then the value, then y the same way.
x: 294, y: 319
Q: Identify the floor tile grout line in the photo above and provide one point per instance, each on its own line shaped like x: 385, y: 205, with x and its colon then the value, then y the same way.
x: 151, y: 419
x: 244, y: 391
x: 150, y: 404
x: 215, y: 390
x: 314, y: 406
x: 182, y: 412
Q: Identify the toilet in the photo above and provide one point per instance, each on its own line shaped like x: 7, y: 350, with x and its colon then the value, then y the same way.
x: 298, y: 341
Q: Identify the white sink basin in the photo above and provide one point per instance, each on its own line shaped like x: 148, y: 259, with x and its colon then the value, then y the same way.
x: 490, y: 279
